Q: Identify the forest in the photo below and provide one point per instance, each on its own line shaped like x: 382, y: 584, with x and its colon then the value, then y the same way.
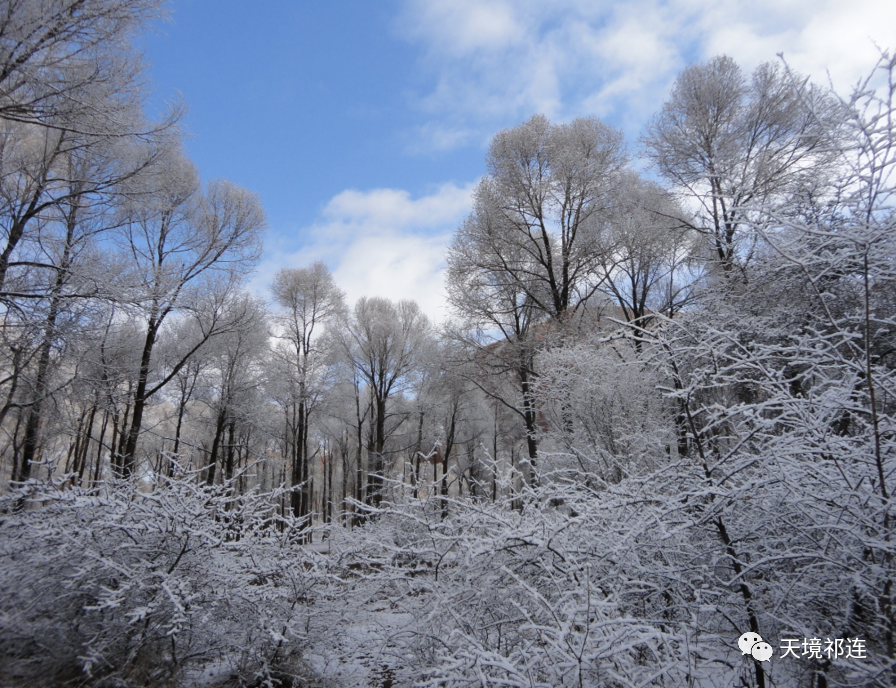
x: 661, y: 415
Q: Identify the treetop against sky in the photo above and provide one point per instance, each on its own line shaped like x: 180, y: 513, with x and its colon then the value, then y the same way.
x: 363, y: 126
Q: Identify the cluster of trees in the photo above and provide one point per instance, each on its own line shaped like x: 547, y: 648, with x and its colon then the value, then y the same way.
x: 661, y: 415
x: 108, y: 238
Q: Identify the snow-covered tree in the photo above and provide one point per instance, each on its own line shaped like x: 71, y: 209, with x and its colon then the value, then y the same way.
x: 789, y: 404
x: 383, y: 343
x: 732, y: 144
x: 309, y: 298
x: 181, y: 241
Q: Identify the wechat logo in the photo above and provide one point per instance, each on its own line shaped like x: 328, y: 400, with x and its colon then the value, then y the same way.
x: 753, y: 644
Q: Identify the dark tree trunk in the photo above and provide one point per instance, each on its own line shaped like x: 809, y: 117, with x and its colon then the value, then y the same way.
x: 128, y: 457
x: 41, y: 383
x: 305, y: 461
x: 328, y: 490
x: 74, y: 448
x: 82, y: 460
x: 228, y: 465
x: 529, y: 415
x: 344, y: 451
x: 299, y: 495
x: 449, y: 445
x: 376, y: 472
x: 495, y: 459
x: 418, y: 448
x: 99, y: 448
x: 359, y: 468
x: 216, y: 443
x: 16, y: 476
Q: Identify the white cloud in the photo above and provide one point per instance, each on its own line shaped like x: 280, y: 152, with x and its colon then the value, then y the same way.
x: 496, y: 62
x: 396, y: 266
x: 467, y: 26
x: 457, y: 29
x: 381, y: 242
x: 816, y: 38
x: 394, y: 208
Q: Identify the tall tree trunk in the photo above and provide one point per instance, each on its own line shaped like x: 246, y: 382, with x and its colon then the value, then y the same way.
x: 516, y: 503
x: 375, y: 475
x: 74, y: 448
x: 81, y: 461
x: 228, y: 465
x: 328, y: 491
x: 181, y: 409
x: 530, y: 417
x: 216, y: 443
x: 32, y: 425
x: 121, y: 426
x: 449, y: 445
x: 495, y: 459
x: 243, y: 458
x: 418, y: 448
x: 299, y: 495
x: 128, y: 458
x: 305, y: 462
x: 16, y: 470
x: 99, y: 448
x: 114, y: 454
x: 359, y: 469
x: 344, y: 451
x: 41, y: 383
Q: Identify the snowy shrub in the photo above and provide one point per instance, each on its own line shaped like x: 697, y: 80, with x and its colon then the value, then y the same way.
x: 118, y: 586
x: 536, y: 597
x: 618, y: 423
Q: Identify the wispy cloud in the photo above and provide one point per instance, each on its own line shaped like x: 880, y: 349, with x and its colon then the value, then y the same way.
x: 381, y: 242
x: 495, y: 62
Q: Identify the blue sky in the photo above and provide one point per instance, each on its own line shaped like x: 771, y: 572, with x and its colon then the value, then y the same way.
x: 363, y: 125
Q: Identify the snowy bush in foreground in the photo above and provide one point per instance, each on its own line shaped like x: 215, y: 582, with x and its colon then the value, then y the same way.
x: 115, y: 586
x: 541, y: 598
